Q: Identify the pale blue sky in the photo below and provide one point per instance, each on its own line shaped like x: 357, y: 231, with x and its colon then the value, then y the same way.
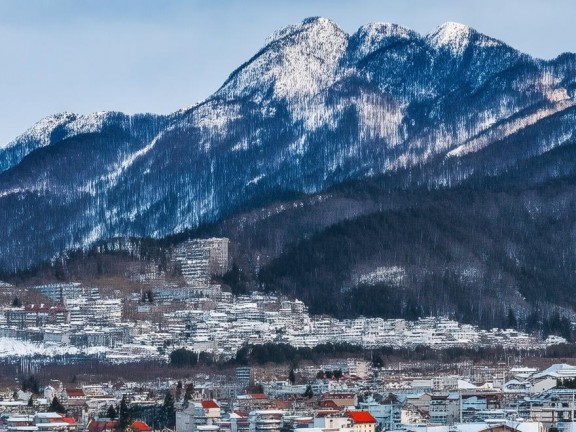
x: 162, y: 55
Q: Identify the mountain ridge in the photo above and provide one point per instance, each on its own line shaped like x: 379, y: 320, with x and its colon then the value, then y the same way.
x: 313, y: 108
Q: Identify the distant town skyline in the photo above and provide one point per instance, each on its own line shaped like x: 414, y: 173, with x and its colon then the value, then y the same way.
x: 160, y: 56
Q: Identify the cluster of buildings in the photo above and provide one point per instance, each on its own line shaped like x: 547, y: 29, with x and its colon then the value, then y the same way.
x: 467, y: 399
x: 201, y: 316
x: 221, y: 325
x: 39, y: 422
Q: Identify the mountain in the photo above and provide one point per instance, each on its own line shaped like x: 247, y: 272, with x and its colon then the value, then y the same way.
x: 323, y: 136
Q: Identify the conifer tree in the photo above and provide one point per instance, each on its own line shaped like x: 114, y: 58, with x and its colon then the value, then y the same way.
x: 124, y: 416
x: 111, y: 413
x: 188, y: 394
x: 168, y: 411
x: 292, y: 376
x: 56, y: 406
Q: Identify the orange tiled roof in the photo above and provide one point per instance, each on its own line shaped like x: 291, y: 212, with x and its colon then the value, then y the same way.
x: 361, y: 417
x: 140, y: 426
x: 209, y: 404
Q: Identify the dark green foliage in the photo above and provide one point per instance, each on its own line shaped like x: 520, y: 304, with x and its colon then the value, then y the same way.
x: 511, y: 319
x: 167, y: 415
x: 237, y: 281
x: 124, y: 416
x: 30, y: 383
x: 283, y: 353
x: 558, y: 325
x: 377, y: 361
x: 56, y: 406
x: 292, y: 377
x: 188, y: 394
x: 16, y: 302
x: 255, y: 389
x: 460, y: 250
x: 308, y: 392
x: 183, y: 358
x: 111, y: 413
x: 569, y: 383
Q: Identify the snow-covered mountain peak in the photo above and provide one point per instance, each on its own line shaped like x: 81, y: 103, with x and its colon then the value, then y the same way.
x: 310, y: 25
x: 457, y: 37
x: 378, y: 31
x: 297, y: 60
x: 73, y: 123
x: 453, y: 36
x: 42, y: 130
x: 372, y: 37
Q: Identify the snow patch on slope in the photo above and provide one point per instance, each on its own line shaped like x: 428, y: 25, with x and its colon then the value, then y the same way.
x: 510, y: 127
x: 14, y: 347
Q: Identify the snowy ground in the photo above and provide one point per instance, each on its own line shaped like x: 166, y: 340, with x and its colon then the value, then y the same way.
x: 13, y: 348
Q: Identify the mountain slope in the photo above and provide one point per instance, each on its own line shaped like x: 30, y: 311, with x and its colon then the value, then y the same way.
x: 312, y: 109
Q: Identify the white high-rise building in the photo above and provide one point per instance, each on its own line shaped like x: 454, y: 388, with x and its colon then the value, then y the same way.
x: 200, y: 259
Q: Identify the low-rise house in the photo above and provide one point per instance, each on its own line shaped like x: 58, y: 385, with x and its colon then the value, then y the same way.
x: 101, y: 425
x: 362, y: 421
x: 266, y: 420
x: 342, y: 400
x: 20, y: 423
x: 73, y: 394
x: 54, y: 422
x: 332, y: 419
x: 239, y: 422
x: 198, y: 413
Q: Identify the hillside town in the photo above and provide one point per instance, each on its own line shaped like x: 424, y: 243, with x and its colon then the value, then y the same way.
x: 200, y: 317
x: 203, y: 317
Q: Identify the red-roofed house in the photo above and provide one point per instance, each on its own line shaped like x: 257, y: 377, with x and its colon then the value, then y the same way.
x: 362, y: 421
x: 73, y: 393
x: 209, y: 404
x: 101, y: 425
x: 140, y: 426
x: 50, y: 422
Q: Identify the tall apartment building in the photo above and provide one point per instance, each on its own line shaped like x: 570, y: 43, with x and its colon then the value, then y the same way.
x: 245, y: 375
x: 200, y: 259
